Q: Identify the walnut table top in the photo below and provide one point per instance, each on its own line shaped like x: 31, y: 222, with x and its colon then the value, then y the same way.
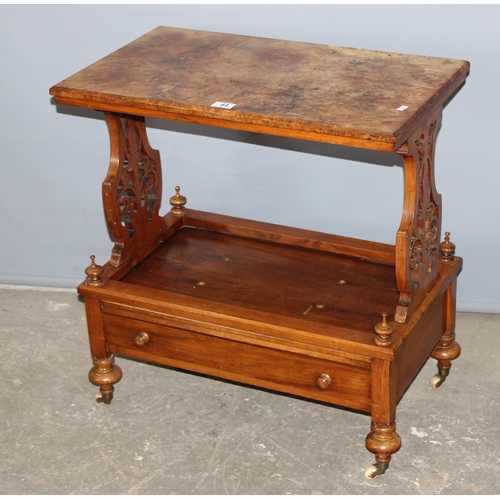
x: 355, y: 97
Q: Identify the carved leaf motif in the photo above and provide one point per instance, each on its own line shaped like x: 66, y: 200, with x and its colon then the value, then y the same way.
x: 424, y: 240
x: 137, y: 183
x: 417, y: 240
x: 132, y: 189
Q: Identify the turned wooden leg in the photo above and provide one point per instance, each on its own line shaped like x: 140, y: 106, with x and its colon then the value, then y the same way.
x: 447, y: 349
x: 105, y: 373
x: 383, y: 440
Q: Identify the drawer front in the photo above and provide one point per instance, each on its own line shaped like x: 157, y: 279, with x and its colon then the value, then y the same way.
x: 276, y: 369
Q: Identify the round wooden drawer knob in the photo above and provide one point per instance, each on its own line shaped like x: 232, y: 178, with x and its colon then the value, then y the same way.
x: 141, y: 339
x: 323, y: 381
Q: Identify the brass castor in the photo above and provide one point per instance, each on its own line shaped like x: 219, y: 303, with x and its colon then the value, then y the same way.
x: 437, y: 380
x: 372, y: 471
x: 103, y: 399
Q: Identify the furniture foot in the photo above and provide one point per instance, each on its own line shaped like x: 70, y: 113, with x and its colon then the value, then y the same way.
x: 372, y: 471
x: 105, y: 373
x: 383, y: 440
x: 446, y: 351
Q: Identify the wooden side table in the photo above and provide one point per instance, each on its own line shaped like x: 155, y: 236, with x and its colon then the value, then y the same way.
x: 330, y: 318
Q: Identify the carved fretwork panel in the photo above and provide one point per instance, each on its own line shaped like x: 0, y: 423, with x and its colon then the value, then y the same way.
x: 132, y: 188
x: 418, y: 237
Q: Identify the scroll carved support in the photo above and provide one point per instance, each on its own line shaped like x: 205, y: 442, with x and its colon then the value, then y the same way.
x: 418, y: 237
x: 132, y: 188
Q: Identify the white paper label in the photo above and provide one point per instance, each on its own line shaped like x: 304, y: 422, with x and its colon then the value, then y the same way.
x: 223, y: 105
x: 402, y: 108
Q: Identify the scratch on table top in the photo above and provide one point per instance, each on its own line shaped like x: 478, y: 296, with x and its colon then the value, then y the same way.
x: 234, y: 48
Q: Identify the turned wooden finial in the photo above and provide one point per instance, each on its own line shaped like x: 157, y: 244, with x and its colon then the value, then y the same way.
x: 446, y: 249
x: 178, y: 201
x: 94, y: 273
x: 384, y: 332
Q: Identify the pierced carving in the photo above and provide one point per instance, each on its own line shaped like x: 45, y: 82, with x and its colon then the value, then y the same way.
x: 137, y: 189
x: 425, y: 238
x: 132, y: 188
x: 417, y: 241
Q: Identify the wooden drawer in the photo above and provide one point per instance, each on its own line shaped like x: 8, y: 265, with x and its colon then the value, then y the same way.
x: 290, y: 372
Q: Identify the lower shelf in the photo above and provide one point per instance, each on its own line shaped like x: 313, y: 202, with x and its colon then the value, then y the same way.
x: 268, y: 277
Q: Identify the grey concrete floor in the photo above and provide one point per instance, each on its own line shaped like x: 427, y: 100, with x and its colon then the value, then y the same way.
x: 170, y: 432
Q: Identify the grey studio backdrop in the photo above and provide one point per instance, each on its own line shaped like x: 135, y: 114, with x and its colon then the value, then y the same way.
x: 54, y: 158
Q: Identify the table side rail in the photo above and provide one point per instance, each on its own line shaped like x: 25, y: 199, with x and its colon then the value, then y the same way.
x: 258, y: 125
x: 216, y: 315
x: 377, y: 252
x: 236, y: 332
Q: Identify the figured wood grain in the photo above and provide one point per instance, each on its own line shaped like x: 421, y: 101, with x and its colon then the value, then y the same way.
x: 312, y: 91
